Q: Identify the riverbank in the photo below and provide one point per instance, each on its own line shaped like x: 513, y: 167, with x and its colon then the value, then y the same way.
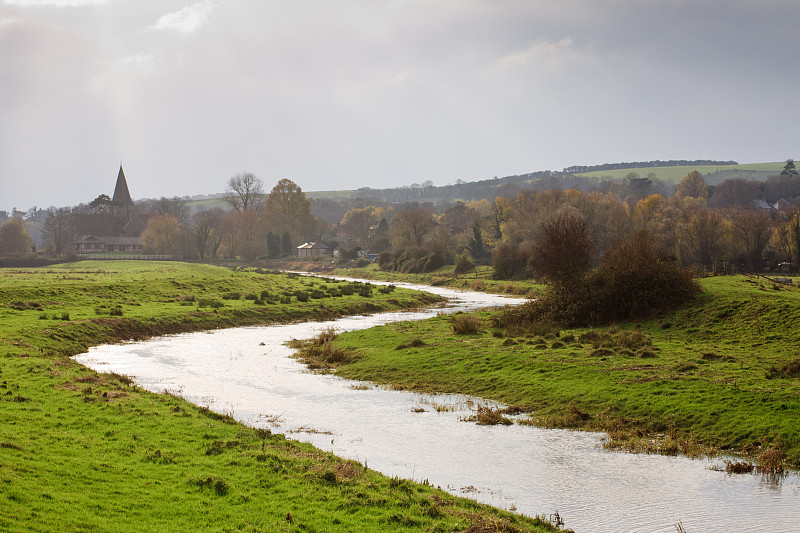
x: 87, y: 451
x: 478, y: 279
x: 718, y: 376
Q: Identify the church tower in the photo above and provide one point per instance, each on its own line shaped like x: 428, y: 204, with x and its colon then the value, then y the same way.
x: 122, y: 195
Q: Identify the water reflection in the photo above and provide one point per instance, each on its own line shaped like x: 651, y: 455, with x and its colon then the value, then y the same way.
x: 248, y: 373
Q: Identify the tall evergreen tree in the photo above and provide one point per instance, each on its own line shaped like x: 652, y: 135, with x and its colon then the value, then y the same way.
x: 286, y: 244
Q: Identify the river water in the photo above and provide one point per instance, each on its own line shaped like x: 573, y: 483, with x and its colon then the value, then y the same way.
x: 249, y: 374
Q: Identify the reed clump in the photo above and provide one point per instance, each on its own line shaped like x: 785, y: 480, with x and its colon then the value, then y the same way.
x: 320, y: 352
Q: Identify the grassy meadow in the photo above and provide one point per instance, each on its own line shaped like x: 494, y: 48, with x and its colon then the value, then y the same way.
x: 712, y: 173
x: 82, y: 451
x: 721, y: 375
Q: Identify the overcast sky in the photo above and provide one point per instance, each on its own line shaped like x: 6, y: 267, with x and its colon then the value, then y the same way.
x: 377, y: 93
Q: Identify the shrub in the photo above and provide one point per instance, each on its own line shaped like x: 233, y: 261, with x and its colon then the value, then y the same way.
x: 231, y: 296
x: 510, y: 261
x: 365, y: 291
x: 385, y: 260
x: 415, y: 343
x: 635, y: 281
x: 209, y: 302
x: 464, y: 263
x: 301, y: 296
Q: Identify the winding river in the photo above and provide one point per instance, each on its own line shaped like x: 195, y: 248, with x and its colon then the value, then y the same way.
x: 249, y: 373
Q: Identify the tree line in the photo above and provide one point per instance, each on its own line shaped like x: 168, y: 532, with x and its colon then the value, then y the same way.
x: 693, y: 222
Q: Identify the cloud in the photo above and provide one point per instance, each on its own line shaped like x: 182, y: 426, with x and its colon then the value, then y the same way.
x: 55, y: 3
x: 187, y: 20
x: 543, y: 50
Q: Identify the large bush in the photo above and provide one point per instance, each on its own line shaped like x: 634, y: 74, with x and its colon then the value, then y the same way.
x: 510, y: 261
x: 634, y: 281
x: 412, y: 260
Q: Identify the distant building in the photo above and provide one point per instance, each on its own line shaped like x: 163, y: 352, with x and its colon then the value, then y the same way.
x: 785, y: 205
x: 312, y: 249
x: 96, y: 244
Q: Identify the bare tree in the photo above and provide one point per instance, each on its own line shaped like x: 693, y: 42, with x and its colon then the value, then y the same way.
x: 244, y: 192
x: 752, y: 230
x: 207, y: 232
x: 564, y: 251
x: 58, y: 230
x: 170, y: 206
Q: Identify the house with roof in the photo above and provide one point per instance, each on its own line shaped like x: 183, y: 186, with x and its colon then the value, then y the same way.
x: 312, y: 249
x: 784, y: 205
x: 98, y: 244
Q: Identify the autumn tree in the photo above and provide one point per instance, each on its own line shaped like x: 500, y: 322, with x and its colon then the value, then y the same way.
x: 163, y: 235
x: 751, y: 230
x: 703, y: 235
x: 240, y: 228
x: 359, y: 222
x: 794, y: 236
x: 564, y: 251
x: 734, y: 192
x: 14, y: 238
x: 692, y: 186
x: 57, y: 230
x: 781, y: 239
x: 244, y: 192
x: 288, y: 210
x: 411, y: 227
x: 500, y: 211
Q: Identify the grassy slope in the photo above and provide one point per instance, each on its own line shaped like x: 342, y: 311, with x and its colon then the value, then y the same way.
x: 676, y: 174
x: 83, y: 451
x: 702, y: 382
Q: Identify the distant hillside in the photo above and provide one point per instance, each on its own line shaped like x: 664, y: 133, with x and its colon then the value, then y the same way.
x: 713, y: 173
x: 582, y: 178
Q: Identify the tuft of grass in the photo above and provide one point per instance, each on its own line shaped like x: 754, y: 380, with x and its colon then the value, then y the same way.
x: 466, y: 324
x: 415, y: 343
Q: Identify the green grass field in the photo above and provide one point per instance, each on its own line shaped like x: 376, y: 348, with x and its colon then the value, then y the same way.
x: 712, y: 173
x: 81, y: 451
x: 720, y: 375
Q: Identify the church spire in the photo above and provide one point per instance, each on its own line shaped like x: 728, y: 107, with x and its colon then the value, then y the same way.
x: 122, y: 195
